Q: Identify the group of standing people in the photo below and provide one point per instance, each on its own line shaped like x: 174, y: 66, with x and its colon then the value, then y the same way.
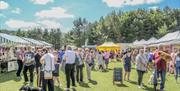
x: 44, y: 61
x: 157, y: 61
x: 47, y: 63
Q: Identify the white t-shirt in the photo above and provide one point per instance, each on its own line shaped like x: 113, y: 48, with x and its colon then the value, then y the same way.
x: 69, y: 57
x: 49, y: 62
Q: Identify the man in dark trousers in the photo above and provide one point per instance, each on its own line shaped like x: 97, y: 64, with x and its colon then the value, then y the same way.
x: 38, y: 65
x: 28, y: 65
x: 69, y: 58
x: 20, y: 56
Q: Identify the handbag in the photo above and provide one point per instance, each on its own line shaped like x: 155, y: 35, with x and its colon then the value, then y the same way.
x: 48, y: 74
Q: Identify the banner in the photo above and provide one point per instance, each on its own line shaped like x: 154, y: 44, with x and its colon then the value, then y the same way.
x: 12, y: 66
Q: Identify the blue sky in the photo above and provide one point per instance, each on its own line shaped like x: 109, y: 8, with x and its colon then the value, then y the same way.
x: 27, y: 14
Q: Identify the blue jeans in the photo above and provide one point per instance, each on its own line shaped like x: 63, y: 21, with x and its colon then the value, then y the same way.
x: 162, y: 74
x: 177, y: 69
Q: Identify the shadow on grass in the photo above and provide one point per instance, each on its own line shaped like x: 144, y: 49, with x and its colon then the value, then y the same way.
x: 73, y: 89
x: 148, y: 88
x: 133, y: 68
x: 121, y: 85
x: 8, y: 76
x: 56, y: 88
x: 84, y: 85
x: 110, y: 69
x: 93, y: 82
x: 132, y: 82
x: 105, y: 71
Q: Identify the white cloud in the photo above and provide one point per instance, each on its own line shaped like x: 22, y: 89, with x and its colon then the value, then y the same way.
x: 12, y: 23
x: 15, y: 24
x: 122, y: 3
x: 16, y: 11
x: 3, y: 5
x: 42, y: 2
x: 49, y: 24
x: 2, y: 15
x: 114, y: 3
x: 54, y: 12
x: 153, y: 7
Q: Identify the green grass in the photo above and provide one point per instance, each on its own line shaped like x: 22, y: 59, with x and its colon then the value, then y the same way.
x: 102, y: 82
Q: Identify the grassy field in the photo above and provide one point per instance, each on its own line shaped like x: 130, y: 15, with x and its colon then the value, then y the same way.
x: 102, y: 81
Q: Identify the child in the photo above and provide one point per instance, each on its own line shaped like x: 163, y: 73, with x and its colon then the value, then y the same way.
x: 56, y: 71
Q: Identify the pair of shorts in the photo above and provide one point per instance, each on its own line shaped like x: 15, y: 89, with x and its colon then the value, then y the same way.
x: 106, y: 61
x: 127, y: 68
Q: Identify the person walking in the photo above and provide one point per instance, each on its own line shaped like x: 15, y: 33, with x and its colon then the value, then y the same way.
x: 28, y: 65
x: 56, y: 71
x: 20, y: 57
x: 177, y: 65
x: 160, y: 69
x: 89, y: 63
x: 47, y: 61
x: 38, y: 65
x: 69, y: 58
x: 100, y: 61
x: 79, y: 66
x: 141, y: 64
x: 127, y: 64
x: 106, y: 58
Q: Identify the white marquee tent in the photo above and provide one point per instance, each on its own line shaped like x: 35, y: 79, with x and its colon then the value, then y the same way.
x: 11, y: 39
x: 6, y: 39
x: 34, y: 42
x: 151, y: 40
x: 170, y: 37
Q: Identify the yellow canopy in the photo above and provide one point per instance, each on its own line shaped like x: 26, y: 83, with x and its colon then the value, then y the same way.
x: 108, y: 46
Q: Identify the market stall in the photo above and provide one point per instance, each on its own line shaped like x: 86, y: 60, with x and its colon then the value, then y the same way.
x: 33, y: 42
x: 108, y: 46
x: 168, y: 41
x: 7, y: 57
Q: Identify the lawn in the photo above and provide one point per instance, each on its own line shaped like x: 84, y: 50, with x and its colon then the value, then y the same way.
x: 102, y: 81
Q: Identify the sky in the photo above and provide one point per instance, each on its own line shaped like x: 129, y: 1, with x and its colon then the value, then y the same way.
x: 26, y: 14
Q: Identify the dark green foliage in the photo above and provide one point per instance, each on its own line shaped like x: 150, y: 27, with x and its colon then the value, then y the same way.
x: 116, y: 26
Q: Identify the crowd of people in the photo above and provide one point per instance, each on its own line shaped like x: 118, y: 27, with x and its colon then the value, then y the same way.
x: 158, y: 62
x: 48, y: 62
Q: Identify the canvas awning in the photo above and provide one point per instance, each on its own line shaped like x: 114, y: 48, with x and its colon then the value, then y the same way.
x: 108, y: 46
x: 151, y: 40
x: 5, y: 38
x: 33, y: 41
x: 45, y: 43
x: 174, y: 36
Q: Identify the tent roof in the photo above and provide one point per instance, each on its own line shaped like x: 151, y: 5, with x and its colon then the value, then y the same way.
x: 151, y: 40
x: 142, y: 41
x: 170, y: 37
x: 109, y: 44
x: 135, y: 41
x: 13, y: 38
x: 33, y: 41
x: 45, y: 43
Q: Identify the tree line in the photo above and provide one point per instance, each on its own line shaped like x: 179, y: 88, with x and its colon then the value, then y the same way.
x: 116, y: 26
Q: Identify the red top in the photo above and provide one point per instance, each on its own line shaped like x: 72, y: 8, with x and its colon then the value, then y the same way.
x: 160, y: 64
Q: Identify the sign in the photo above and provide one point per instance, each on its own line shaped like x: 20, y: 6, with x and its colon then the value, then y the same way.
x: 12, y: 66
x: 117, y: 75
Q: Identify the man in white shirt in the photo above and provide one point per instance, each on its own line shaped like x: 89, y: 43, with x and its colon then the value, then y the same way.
x: 69, y: 58
x: 47, y: 61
